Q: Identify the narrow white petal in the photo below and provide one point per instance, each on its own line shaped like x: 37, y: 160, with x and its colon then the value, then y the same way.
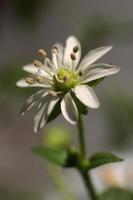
x: 37, y: 71
x: 50, y: 108
x: 71, y: 42
x: 60, y: 50
x: 39, y: 116
x: 93, y: 56
x: 31, y: 101
x: 22, y: 83
x: 86, y: 95
x: 97, y: 71
x: 54, y: 60
x: 69, y: 109
x: 30, y: 68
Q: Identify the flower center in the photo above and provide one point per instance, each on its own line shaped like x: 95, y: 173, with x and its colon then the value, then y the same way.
x: 65, y: 79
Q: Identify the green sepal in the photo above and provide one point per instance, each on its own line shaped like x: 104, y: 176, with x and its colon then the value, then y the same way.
x: 116, y: 193
x: 55, y: 112
x: 102, y: 158
x: 95, y: 82
x: 80, y: 106
x: 56, y: 156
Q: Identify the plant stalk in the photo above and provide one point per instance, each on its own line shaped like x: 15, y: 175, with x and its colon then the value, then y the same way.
x: 83, y: 172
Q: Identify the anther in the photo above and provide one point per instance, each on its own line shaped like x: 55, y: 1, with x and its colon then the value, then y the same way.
x: 39, y: 79
x: 54, y: 50
x: 42, y: 52
x: 73, y: 57
x: 37, y: 63
x: 65, y: 78
x: 75, y: 49
x: 55, y: 47
x: 53, y: 93
x: 80, y: 73
x: 29, y: 80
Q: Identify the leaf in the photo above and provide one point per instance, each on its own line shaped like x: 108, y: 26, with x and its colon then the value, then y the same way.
x: 57, y: 156
x: 115, y: 194
x: 95, y: 82
x: 102, y: 158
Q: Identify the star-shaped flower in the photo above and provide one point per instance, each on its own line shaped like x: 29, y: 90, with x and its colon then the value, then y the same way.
x: 64, y: 80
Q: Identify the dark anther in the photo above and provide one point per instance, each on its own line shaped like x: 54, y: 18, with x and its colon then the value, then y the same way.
x: 75, y: 49
x: 73, y: 57
x: 80, y: 73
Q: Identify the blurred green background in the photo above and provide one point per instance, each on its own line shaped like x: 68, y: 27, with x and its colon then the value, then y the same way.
x: 26, y: 26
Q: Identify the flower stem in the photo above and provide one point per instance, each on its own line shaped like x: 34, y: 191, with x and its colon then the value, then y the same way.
x: 81, y: 136
x: 83, y: 172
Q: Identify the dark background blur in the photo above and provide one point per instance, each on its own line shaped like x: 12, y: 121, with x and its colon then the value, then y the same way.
x: 26, y: 26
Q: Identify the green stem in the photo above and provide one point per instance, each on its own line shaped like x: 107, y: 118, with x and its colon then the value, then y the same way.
x: 81, y: 136
x: 84, y: 173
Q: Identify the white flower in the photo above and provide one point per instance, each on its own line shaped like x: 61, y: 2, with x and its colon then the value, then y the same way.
x: 63, y: 78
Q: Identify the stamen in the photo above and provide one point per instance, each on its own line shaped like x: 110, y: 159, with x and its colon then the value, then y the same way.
x: 39, y: 79
x: 75, y: 49
x: 56, y: 48
x: 73, y: 57
x: 53, y: 93
x: 29, y: 80
x: 65, y: 78
x: 37, y: 64
x: 42, y: 52
x: 80, y: 73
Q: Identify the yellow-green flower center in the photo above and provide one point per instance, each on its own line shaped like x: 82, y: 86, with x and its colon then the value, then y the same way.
x: 65, y: 79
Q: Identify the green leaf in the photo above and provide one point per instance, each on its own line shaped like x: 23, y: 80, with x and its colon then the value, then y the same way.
x: 102, y: 158
x: 57, y: 156
x: 95, y: 82
x: 115, y: 194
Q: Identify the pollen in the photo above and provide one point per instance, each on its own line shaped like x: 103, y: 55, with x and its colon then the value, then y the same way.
x: 29, y: 80
x: 73, y: 57
x: 39, y: 79
x: 75, y: 49
x: 37, y: 64
x: 42, y: 52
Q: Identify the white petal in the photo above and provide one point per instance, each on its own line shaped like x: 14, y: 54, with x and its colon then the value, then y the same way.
x: 60, y: 50
x: 31, y: 101
x: 54, y: 60
x: 50, y: 108
x: 37, y: 71
x: 30, y: 68
x: 99, y: 71
x: 93, y: 56
x: 71, y: 42
x: 69, y: 109
x: 86, y: 95
x: 39, y: 116
x: 22, y: 83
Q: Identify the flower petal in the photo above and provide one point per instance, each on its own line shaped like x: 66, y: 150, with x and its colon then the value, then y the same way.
x: 60, y: 50
x: 69, y: 109
x: 37, y: 71
x: 49, y: 110
x: 97, y: 71
x: 72, y: 42
x: 45, y: 111
x: 31, y: 101
x: 22, y: 83
x: 86, y: 95
x: 93, y: 56
x: 39, y: 116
